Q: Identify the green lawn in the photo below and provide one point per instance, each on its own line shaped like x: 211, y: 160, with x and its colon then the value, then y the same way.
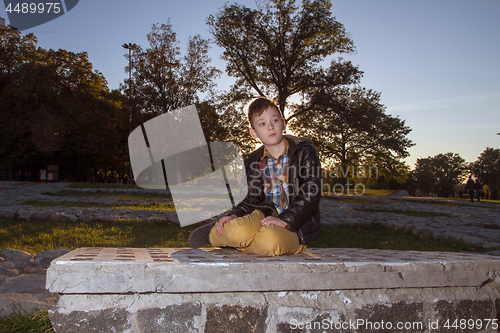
x: 102, y: 185
x: 404, y: 212
x: 151, y: 206
x: 38, y: 235
x: 344, y: 198
x: 127, y: 196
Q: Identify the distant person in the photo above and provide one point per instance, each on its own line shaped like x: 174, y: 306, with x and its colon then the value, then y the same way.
x: 43, y: 175
x: 469, y: 187
x: 479, y: 189
x: 50, y: 177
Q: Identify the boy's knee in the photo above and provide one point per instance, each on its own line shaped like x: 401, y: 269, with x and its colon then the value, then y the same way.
x: 269, y: 236
x: 271, y: 241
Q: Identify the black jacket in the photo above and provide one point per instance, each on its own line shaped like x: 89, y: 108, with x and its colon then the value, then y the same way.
x: 304, y: 189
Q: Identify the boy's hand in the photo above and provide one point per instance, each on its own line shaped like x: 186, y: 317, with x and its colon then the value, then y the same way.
x: 271, y: 220
x: 219, y: 226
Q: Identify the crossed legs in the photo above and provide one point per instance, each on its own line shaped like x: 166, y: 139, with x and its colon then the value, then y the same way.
x: 248, y: 234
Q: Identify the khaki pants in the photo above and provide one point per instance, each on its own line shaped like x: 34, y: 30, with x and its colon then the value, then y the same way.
x: 248, y: 234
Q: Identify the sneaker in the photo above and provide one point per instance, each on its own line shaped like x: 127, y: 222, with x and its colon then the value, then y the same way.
x: 201, y: 236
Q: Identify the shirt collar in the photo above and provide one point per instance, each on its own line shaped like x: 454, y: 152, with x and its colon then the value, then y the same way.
x: 266, y: 153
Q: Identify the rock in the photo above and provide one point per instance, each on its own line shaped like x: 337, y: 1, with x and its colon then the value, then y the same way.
x: 7, y: 213
x: 23, y: 283
x: 32, y: 267
x: 85, y: 218
x: 23, y: 215
x: 63, y: 217
x: 17, y: 257
x: 43, y: 215
x: 7, y: 268
x: 45, y: 257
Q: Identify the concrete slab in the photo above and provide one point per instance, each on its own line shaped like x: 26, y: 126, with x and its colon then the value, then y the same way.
x: 132, y: 270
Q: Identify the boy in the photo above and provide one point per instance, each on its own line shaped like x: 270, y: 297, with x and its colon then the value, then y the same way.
x: 280, y: 213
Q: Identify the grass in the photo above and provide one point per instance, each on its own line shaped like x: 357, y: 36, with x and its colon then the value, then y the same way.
x: 376, y: 237
x: 38, y: 235
x: 377, y: 193
x: 151, y: 206
x: 404, y: 212
x: 102, y: 185
x: 355, y: 200
x: 126, y: 196
x: 23, y: 322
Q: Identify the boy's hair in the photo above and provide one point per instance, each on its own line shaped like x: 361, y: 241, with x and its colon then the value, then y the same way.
x: 258, y: 106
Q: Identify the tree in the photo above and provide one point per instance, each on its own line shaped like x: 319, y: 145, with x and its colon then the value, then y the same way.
x: 162, y: 80
x: 439, y: 174
x: 487, y: 169
x: 276, y: 50
x: 349, y: 125
x: 55, y: 110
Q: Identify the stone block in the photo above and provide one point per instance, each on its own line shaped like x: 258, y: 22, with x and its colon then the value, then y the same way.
x: 45, y: 214
x: 235, y: 318
x: 497, y: 310
x: 107, y: 320
x: 447, y: 312
x: 112, y: 270
x: 24, y: 214
x: 174, y: 318
x: 23, y: 283
x: 17, y: 257
x: 7, y: 213
x: 298, y: 319
x: 386, y: 317
x: 63, y: 217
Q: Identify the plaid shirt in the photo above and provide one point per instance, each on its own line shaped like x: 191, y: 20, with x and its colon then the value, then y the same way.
x: 275, y: 174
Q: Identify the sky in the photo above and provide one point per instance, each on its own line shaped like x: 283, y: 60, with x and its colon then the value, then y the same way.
x: 436, y: 63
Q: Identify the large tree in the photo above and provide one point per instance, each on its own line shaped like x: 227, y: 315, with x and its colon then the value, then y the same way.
x: 56, y: 109
x: 487, y: 169
x: 348, y: 125
x: 276, y: 50
x: 162, y: 80
x: 439, y: 174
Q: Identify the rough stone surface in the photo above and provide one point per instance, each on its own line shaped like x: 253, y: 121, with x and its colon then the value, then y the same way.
x: 22, y: 280
x: 107, y: 320
x: 174, y: 318
x: 286, y: 311
x: 233, y: 318
x: 291, y: 320
x: 448, y: 312
x: 372, y: 317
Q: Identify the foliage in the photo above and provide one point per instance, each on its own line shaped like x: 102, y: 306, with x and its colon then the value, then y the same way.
x: 276, y: 50
x: 20, y: 321
x: 57, y: 110
x: 439, y: 174
x: 163, y: 81
x: 349, y: 126
x: 487, y: 169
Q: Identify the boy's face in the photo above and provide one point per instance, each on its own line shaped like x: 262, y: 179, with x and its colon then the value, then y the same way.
x: 268, y: 127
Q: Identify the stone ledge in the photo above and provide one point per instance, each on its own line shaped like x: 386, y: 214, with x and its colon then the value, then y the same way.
x: 131, y: 270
